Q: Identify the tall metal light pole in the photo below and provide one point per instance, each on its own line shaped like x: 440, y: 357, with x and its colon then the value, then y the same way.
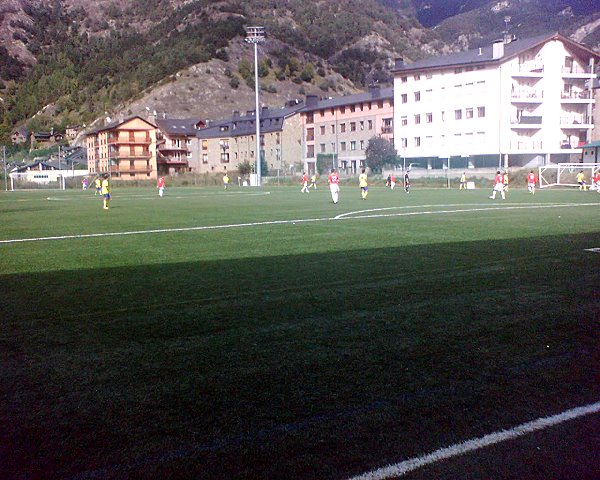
x: 256, y: 35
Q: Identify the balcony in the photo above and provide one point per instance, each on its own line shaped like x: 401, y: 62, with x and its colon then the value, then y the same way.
x: 387, y: 129
x: 576, y: 70
x: 141, y: 156
x: 163, y: 160
x: 129, y: 169
x: 576, y: 97
x: 129, y: 141
x: 527, y: 95
x: 526, y: 145
x: 168, y: 147
x: 527, y: 122
x: 578, y: 121
x: 529, y: 69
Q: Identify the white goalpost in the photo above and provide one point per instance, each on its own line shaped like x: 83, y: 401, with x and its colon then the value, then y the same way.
x: 565, y: 174
x: 37, y: 180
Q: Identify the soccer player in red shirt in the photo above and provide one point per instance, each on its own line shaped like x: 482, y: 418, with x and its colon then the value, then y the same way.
x: 531, y: 182
x: 597, y: 181
x: 161, y: 186
x: 498, y: 186
x: 334, y: 185
x: 304, y: 183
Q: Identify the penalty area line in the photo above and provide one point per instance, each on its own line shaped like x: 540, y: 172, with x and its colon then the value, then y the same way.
x: 402, y: 468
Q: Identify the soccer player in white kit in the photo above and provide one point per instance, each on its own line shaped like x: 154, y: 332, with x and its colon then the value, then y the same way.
x: 334, y: 185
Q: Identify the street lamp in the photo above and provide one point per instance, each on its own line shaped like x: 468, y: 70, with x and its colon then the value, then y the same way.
x: 256, y: 35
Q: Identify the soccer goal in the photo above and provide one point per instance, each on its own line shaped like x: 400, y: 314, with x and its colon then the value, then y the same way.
x: 565, y: 174
x: 38, y: 180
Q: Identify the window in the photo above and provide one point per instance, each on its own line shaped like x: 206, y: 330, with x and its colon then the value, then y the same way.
x: 310, y: 134
x: 342, y: 109
x: 361, y: 124
x: 404, y: 121
x: 353, y: 108
x: 417, y: 77
x: 322, y: 113
x: 322, y: 129
x: 333, y: 128
x: 457, y: 114
x: 188, y: 154
x: 380, y: 104
x: 417, y: 96
x: 417, y: 141
x: 404, y: 97
x: 322, y: 147
x: 204, y: 144
x: 353, y: 126
x: 343, y: 146
x: 417, y: 119
x: 370, y: 124
x: 353, y: 145
x: 224, y: 157
x: 188, y: 141
x: 404, y: 79
x: 404, y: 142
x: 310, y: 151
x: 310, y: 118
x: 333, y: 146
x: 205, y: 158
x: 443, y: 116
x: 343, y: 128
x: 429, y: 117
x: 481, y: 112
x: 469, y: 113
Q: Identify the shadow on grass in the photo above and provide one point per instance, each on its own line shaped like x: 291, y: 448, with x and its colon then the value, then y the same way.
x: 293, y: 366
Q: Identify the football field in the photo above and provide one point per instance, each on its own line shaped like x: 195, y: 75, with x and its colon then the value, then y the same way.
x: 269, y: 334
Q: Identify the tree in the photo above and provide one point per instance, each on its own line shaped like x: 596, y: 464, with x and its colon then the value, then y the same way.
x: 245, y: 168
x: 380, y: 152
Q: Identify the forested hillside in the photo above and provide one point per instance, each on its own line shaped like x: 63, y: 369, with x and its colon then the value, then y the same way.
x: 74, y: 60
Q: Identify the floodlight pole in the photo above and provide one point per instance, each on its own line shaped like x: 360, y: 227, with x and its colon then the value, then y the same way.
x: 256, y: 35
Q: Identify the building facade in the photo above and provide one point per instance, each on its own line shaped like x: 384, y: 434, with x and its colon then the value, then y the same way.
x: 521, y: 102
x: 339, y: 129
x: 175, y: 145
x: 225, y: 144
x: 125, y: 149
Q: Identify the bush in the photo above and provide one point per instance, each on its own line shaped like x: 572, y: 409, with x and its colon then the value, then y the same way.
x: 234, y: 83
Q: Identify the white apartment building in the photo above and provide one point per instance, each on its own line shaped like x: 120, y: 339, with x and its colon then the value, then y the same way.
x: 514, y: 103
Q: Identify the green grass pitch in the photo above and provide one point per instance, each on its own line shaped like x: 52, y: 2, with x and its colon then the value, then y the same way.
x: 286, y: 342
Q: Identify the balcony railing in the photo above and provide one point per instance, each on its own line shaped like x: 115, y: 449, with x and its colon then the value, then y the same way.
x: 128, y: 169
x: 142, y: 156
x: 527, y: 120
x: 129, y: 141
x: 526, y: 145
x: 577, y: 69
x: 578, y: 120
x: 576, y: 95
x: 528, y: 94
x: 385, y: 129
x: 530, y: 67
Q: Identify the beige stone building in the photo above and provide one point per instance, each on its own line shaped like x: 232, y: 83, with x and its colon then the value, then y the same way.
x: 224, y: 144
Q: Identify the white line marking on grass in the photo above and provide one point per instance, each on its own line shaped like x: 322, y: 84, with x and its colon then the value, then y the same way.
x: 346, y: 216
x: 593, y: 250
x: 285, y: 222
x: 402, y: 468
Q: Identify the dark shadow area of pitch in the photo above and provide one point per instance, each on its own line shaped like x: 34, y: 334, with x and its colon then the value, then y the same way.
x: 310, y: 367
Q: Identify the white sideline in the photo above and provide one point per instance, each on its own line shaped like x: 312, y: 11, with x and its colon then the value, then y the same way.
x: 402, y: 468
x: 345, y: 216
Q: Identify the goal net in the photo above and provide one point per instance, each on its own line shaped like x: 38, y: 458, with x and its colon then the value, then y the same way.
x: 565, y: 174
x: 40, y: 180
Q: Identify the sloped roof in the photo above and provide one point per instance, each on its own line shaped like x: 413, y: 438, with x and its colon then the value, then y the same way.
x: 116, y: 123
x: 271, y: 120
x: 174, y: 126
x: 364, y: 97
x: 484, y: 55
